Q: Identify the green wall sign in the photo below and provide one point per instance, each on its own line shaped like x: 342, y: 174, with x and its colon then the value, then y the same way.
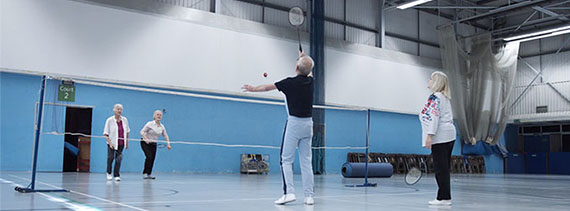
x: 66, y: 93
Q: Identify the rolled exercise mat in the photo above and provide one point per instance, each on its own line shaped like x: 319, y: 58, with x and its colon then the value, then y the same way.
x: 357, y: 170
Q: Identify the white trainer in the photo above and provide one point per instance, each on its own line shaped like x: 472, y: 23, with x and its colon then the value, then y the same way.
x: 117, y: 179
x: 439, y: 202
x: 286, y: 199
x: 309, y: 200
x: 109, y: 177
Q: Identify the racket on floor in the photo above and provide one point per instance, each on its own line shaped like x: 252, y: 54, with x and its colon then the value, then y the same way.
x: 296, y: 18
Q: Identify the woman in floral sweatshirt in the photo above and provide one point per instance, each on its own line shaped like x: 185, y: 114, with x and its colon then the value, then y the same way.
x: 438, y: 133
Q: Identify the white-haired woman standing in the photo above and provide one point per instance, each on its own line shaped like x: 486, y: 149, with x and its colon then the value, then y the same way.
x: 116, y: 133
x: 150, y: 133
x: 438, y: 133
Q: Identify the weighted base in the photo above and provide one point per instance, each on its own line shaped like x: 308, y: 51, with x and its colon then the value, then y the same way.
x: 29, y: 190
x: 363, y: 185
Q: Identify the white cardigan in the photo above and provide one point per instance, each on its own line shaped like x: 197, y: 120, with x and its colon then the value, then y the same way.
x: 437, y: 120
x: 112, y: 130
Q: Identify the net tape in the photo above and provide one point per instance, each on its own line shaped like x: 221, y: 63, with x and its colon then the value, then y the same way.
x: 196, y: 143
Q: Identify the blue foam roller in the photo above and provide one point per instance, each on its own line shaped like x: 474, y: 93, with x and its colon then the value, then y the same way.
x: 357, y: 170
x: 71, y: 148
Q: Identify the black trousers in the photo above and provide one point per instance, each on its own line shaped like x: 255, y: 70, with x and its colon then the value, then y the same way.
x: 441, y: 154
x: 116, y: 155
x: 150, y: 153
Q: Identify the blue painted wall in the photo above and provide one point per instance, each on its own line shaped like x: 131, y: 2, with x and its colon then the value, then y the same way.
x: 186, y: 119
x: 389, y: 133
x: 18, y: 94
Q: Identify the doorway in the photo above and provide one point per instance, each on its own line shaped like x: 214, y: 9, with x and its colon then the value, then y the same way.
x: 77, y: 148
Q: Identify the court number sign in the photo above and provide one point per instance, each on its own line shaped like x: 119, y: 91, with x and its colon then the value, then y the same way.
x: 66, y: 93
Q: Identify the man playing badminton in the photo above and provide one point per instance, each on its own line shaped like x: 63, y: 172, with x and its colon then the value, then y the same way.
x: 298, y: 92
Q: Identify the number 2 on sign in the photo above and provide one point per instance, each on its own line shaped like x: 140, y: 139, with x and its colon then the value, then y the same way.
x: 66, y: 93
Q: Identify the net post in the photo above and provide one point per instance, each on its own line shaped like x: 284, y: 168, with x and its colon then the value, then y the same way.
x: 38, y: 132
x: 366, y: 183
x: 32, y: 187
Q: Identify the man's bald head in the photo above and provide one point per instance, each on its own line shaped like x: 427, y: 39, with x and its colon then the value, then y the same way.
x: 305, y: 65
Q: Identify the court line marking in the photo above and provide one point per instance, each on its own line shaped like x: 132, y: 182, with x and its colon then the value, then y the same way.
x: 86, y: 195
x: 68, y: 203
x: 263, y: 199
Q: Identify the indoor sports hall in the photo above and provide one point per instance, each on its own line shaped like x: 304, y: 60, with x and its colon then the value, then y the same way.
x: 285, y: 105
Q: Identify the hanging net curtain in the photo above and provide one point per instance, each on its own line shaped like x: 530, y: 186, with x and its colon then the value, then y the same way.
x: 481, y: 77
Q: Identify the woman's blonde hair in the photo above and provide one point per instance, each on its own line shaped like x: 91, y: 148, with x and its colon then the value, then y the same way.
x: 440, y: 83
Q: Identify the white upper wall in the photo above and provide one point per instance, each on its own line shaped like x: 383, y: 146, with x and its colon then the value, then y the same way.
x: 394, y: 85
x: 80, y: 39
x: 204, y: 51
